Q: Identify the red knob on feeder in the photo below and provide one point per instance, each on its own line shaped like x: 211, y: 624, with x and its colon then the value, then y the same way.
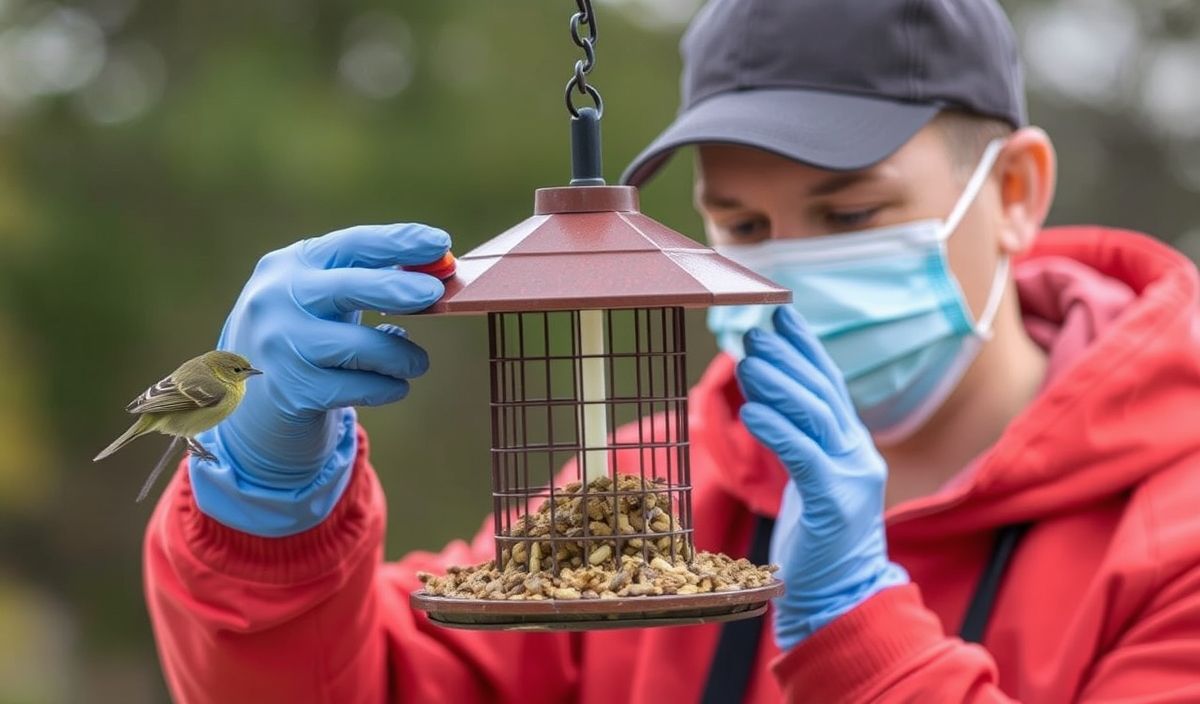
x: 443, y: 268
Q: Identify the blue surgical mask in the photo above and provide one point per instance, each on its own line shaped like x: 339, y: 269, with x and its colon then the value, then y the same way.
x: 885, y: 305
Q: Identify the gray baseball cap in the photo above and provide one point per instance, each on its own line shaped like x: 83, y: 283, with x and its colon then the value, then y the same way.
x: 837, y: 84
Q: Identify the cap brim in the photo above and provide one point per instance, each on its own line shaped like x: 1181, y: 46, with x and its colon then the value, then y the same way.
x: 834, y: 131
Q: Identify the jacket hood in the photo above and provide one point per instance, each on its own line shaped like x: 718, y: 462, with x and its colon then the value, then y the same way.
x: 1117, y: 314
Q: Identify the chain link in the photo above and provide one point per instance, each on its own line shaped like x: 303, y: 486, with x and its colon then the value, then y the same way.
x: 585, y: 17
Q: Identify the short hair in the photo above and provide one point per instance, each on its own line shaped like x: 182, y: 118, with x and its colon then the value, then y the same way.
x: 967, y: 135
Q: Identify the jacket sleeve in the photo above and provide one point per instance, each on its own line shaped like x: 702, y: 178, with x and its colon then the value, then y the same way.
x: 892, y: 649
x: 318, y: 617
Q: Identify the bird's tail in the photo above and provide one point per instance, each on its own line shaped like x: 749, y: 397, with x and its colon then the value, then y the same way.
x: 158, y: 468
x: 139, y: 428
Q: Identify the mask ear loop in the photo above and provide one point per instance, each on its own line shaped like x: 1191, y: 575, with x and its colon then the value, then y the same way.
x: 983, y: 328
x: 974, y: 185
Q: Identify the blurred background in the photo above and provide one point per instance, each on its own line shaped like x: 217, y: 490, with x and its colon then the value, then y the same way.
x: 150, y: 152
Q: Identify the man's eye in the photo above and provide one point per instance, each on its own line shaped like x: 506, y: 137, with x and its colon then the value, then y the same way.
x: 748, y: 229
x: 850, y: 219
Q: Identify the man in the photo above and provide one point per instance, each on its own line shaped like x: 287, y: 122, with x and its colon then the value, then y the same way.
x: 975, y: 428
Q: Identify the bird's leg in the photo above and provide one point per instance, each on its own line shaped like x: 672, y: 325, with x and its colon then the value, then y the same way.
x: 200, y: 451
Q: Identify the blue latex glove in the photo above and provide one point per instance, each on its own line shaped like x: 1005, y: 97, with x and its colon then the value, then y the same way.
x: 283, y: 457
x: 829, y: 540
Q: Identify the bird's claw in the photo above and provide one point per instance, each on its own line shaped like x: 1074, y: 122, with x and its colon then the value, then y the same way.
x: 200, y: 452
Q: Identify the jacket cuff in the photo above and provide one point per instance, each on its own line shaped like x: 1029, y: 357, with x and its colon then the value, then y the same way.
x: 359, y: 515
x: 225, y: 492
x: 860, y: 648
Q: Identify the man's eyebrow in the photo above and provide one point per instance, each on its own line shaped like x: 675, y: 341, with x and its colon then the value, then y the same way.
x: 716, y: 201
x: 825, y: 187
x: 840, y: 181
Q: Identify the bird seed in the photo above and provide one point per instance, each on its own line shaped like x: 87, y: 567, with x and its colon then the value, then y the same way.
x: 545, y: 555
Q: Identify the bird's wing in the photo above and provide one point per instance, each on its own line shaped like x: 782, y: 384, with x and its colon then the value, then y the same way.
x: 169, y: 395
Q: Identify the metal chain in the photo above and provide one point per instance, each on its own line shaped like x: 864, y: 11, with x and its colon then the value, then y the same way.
x: 585, y: 16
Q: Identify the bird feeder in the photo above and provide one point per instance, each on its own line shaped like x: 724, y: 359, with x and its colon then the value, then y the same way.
x: 585, y: 304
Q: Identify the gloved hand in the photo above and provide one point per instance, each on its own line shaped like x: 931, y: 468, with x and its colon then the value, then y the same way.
x: 829, y: 539
x: 283, y: 457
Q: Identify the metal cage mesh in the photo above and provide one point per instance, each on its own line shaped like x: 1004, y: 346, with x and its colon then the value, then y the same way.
x: 558, y: 396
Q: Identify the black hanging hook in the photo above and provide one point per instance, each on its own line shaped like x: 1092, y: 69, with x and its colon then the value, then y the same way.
x: 585, y: 122
x: 586, y: 17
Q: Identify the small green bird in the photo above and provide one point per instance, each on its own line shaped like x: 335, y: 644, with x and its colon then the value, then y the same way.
x: 202, y: 392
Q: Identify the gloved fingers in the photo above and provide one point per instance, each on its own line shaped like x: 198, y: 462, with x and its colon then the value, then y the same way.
x: 340, y: 388
x: 805, y: 460
x: 331, y: 293
x: 383, y: 351
x: 768, y: 385
x: 377, y: 246
x: 782, y: 354
x: 791, y: 326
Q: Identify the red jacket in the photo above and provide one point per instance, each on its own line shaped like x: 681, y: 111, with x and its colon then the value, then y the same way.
x: 1101, y: 601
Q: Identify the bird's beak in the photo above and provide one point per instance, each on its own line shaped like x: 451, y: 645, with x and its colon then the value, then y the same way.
x: 252, y: 371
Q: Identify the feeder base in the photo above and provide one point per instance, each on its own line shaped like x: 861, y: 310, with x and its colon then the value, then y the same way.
x: 596, y: 614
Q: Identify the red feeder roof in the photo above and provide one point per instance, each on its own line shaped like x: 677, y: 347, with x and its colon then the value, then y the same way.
x: 589, y: 247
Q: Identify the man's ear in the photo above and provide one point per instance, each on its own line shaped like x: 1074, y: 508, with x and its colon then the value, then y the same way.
x: 1027, y: 169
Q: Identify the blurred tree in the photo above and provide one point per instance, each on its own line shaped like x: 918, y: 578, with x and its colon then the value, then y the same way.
x: 150, y: 152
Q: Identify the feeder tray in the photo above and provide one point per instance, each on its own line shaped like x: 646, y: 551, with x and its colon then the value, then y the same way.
x: 585, y: 303
x: 597, y: 614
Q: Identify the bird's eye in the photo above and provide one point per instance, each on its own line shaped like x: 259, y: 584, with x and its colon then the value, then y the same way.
x: 238, y: 369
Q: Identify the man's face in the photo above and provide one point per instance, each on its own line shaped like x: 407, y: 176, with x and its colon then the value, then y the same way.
x: 747, y: 195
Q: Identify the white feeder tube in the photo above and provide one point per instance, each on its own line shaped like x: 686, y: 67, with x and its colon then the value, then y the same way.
x: 594, y: 410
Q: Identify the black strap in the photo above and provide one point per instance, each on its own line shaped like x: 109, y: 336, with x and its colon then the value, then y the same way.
x: 733, y: 664
x: 980, y: 609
